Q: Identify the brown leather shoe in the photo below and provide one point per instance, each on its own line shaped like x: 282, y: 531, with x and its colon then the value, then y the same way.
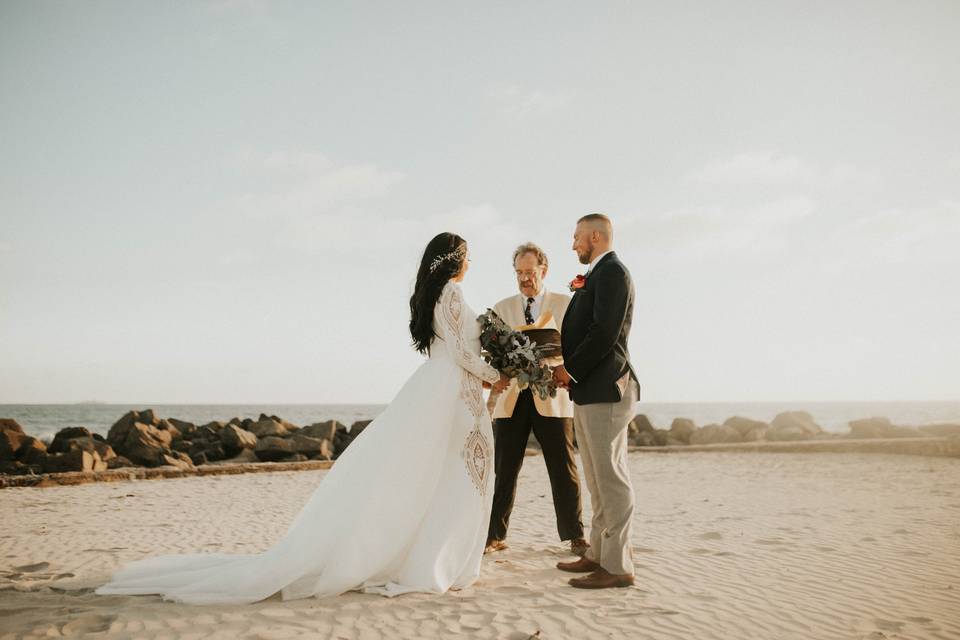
x: 602, y: 579
x: 494, y: 545
x: 579, y: 566
x: 579, y: 546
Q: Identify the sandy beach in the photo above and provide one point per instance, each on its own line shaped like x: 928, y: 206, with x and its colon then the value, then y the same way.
x: 727, y: 545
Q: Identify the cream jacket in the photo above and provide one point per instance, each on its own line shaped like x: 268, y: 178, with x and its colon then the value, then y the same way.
x: 511, y: 310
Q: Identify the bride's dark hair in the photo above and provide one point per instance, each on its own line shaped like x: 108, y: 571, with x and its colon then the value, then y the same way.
x: 430, y: 284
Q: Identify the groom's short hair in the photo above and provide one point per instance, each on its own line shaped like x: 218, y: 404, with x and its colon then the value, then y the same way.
x: 598, y: 222
x: 529, y: 247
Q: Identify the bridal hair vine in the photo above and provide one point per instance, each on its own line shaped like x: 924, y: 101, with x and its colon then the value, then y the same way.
x: 456, y: 254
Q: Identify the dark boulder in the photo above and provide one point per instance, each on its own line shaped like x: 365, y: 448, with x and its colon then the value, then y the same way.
x: 17, y: 468
x: 9, y: 424
x: 10, y: 442
x: 144, y: 444
x: 312, y: 447
x: 877, y: 427
x: 341, y: 441
x: 104, y: 450
x: 274, y: 449
x: 748, y: 430
x: 715, y: 434
x: 654, y: 438
x: 32, y: 451
x: 118, y: 462
x: 641, y: 423
x: 77, y: 460
x: 681, y: 429
x: 323, y: 430
x: 357, y: 427
x: 268, y: 428
x: 793, y: 425
x: 234, y: 439
x: 59, y: 443
x: 941, y: 430
x: 176, y: 459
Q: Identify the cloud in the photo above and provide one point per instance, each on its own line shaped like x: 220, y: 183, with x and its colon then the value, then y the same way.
x: 761, y: 228
x: 922, y: 235
x: 754, y: 167
x: 516, y: 101
x: 307, y: 184
x: 771, y: 168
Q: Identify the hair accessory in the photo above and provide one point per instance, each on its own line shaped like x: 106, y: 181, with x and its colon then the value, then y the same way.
x: 457, y: 254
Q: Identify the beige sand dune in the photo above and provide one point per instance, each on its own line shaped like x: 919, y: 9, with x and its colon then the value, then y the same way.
x: 728, y: 545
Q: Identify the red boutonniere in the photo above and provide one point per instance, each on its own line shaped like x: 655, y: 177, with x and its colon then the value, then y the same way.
x: 577, y: 283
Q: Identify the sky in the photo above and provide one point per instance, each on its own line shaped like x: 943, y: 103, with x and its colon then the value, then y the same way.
x: 226, y: 202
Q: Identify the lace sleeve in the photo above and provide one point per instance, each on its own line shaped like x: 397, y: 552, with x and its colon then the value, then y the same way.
x: 451, y: 320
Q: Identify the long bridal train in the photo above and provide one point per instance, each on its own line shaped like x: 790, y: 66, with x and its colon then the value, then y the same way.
x: 404, y: 509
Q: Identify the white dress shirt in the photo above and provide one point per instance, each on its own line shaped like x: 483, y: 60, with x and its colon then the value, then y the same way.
x: 594, y: 262
x: 537, y: 303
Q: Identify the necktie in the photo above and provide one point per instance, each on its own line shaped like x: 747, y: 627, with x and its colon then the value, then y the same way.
x: 527, y: 315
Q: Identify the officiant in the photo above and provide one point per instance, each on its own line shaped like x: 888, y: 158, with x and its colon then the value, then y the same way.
x: 518, y: 413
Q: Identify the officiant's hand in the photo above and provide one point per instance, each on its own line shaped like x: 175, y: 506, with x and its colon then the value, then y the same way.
x: 500, y: 384
x: 561, y: 377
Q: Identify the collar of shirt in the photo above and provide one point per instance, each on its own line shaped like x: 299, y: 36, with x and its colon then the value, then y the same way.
x: 594, y: 262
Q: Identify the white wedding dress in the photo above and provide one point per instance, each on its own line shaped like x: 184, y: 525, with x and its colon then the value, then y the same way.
x: 405, y: 507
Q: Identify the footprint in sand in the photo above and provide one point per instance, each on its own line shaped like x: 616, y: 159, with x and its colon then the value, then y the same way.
x: 711, y: 535
x: 84, y: 625
x: 769, y: 541
x: 30, y: 568
x: 475, y: 621
x: 888, y: 625
x: 919, y: 620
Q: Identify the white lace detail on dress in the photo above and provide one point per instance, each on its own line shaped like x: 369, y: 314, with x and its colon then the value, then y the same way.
x: 451, y: 319
x: 476, y: 453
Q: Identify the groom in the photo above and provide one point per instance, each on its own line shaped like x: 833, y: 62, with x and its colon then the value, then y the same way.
x: 604, y: 389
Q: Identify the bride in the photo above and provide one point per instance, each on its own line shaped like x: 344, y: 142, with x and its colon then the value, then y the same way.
x: 406, y: 506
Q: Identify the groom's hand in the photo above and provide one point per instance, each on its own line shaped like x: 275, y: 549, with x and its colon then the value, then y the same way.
x: 561, y: 377
x: 500, y: 384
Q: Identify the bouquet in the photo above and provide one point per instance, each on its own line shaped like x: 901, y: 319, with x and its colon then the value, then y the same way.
x: 516, y: 355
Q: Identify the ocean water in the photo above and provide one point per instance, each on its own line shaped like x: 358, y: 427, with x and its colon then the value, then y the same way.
x: 44, y: 420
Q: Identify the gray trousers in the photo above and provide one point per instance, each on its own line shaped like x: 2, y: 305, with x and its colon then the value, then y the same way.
x: 601, y: 431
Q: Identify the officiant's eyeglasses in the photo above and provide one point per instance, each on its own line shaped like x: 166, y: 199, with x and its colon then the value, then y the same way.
x: 526, y: 274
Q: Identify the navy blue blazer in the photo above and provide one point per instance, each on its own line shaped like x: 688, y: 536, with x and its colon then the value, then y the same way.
x: 595, y: 332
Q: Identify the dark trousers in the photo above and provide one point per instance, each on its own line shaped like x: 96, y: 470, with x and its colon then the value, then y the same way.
x: 555, y: 436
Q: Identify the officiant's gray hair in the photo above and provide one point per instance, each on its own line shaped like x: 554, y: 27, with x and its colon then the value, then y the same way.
x: 529, y: 247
